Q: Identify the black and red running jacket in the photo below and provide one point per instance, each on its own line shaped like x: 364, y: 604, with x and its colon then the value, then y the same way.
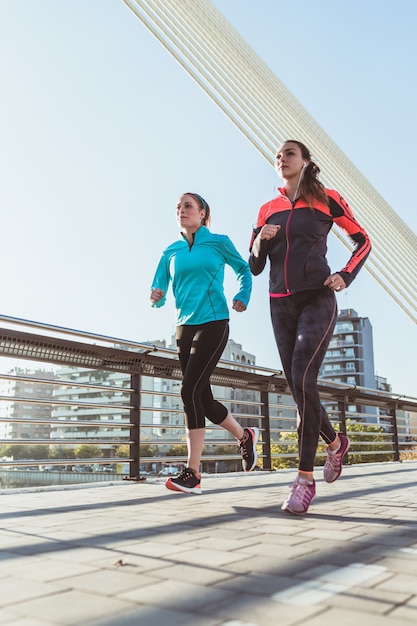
x: 297, y: 253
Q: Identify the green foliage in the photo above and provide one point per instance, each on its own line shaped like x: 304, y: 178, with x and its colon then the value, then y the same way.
x: 122, y: 450
x: 23, y: 452
x: 288, y: 445
x: 61, y: 452
x: 372, y: 435
x: 225, y: 450
x: 179, y: 449
x: 369, y: 433
x: 145, y: 450
x: 86, y: 451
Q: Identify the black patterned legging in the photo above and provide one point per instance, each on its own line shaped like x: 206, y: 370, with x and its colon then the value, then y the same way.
x: 303, y: 325
x: 199, y: 350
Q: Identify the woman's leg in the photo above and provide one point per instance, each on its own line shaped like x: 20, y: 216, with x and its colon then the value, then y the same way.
x: 303, y: 326
x: 315, y: 328
x: 232, y: 426
x: 195, y: 444
x: 199, y: 350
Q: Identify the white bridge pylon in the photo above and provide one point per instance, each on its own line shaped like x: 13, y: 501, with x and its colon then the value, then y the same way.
x: 257, y: 102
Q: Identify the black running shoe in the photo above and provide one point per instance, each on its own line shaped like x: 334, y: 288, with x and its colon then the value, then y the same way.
x: 186, y: 481
x: 247, y: 447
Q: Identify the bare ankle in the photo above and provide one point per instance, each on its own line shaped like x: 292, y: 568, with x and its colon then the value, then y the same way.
x: 306, y: 475
x: 335, y: 444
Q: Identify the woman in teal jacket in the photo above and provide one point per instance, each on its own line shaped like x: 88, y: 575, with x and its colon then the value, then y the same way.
x: 195, y: 265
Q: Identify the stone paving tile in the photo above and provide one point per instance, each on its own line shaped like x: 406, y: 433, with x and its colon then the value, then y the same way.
x: 114, y: 556
x: 153, y: 548
x: 348, y: 617
x: 15, y: 590
x: 25, y: 621
x: 177, y: 595
x: 259, y: 611
x: 368, y: 600
x: 197, y: 574
x: 257, y: 584
x: 400, y: 582
x: 71, y: 608
x: 8, y: 618
x: 335, y: 535
x: 400, y: 566
x: 218, y: 542
x: 102, y: 582
x: 282, y: 540
x: 390, y: 539
x: 135, y: 563
x: 45, y: 570
x: 155, y: 616
x: 280, y: 551
x: 407, y: 613
x: 271, y: 566
x: 211, y: 558
x: 373, y: 584
x: 78, y: 554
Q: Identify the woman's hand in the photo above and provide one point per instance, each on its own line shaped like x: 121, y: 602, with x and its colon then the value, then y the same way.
x: 268, y: 231
x: 238, y: 306
x: 335, y: 282
x: 156, y: 295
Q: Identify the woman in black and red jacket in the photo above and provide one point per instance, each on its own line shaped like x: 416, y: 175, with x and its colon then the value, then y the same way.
x: 291, y: 232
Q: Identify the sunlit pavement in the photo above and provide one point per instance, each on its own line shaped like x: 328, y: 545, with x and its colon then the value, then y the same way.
x: 135, y: 553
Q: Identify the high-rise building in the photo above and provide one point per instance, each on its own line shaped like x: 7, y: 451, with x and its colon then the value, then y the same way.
x: 161, y: 405
x: 350, y: 356
x: 23, y: 415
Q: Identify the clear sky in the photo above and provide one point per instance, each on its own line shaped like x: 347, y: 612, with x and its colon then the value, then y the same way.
x: 101, y: 131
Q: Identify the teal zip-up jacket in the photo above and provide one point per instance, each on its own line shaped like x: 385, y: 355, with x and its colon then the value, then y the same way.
x: 197, y: 275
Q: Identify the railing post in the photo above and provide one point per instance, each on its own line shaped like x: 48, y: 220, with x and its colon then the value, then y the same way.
x: 341, y: 405
x: 394, y: 430
x: 135, y: 383
x: 266, y: 431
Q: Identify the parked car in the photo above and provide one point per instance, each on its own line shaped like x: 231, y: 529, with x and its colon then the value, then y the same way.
x: 82, y: 468
x: 106, y: 468
x: 169, y: 470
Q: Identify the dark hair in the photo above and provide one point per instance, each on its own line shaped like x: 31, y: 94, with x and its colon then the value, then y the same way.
x: 203, y: 205
x: 310, y: 186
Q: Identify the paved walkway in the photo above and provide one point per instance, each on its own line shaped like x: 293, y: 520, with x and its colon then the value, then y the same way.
x: 129, y: 554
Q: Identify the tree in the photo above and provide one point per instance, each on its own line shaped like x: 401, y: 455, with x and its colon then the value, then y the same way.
x: 372, y: 433
x: 145, y: 450
x: 86, y: 451
x: 61, y: 452
x: 25, y: 452
x: 178, y: 449
x: 288, y: 446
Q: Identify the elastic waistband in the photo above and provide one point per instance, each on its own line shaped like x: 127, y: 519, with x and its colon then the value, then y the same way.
x: 280, y: 295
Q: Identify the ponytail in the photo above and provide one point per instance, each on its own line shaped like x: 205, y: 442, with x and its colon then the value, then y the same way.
x: 310, y: 186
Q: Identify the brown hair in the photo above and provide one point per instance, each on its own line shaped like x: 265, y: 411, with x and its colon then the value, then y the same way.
x: 310, y: 186
x: 203, y: 205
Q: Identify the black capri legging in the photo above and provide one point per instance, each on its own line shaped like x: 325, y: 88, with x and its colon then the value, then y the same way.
x: 199, y: 350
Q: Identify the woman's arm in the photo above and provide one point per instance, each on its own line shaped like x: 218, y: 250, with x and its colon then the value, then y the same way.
x: 160, y: 283
x: 346, y: 221
x: 242, y: 271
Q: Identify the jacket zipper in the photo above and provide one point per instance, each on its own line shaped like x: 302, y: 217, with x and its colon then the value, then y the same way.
x: 287, y: 253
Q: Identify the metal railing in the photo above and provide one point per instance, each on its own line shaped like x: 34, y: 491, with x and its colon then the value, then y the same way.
x: 113, y: 395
